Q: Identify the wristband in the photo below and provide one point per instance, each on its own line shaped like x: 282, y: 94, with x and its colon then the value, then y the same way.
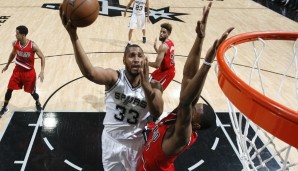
x: 207, y: 63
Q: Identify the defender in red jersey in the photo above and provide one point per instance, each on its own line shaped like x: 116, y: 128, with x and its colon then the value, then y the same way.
x: 176, y: 132
x: 154, y: 158
x: 164, y: 61
x: 23, y: 75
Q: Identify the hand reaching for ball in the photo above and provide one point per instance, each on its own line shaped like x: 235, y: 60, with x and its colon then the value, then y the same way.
x: 81, y: 13
x: 71, y: 29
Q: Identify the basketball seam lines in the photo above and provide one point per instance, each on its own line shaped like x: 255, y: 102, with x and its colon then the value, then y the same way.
x: 76, y: 9
x: 85, y: 16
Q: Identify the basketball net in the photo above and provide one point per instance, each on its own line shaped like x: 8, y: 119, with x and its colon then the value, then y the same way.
x: 258, y: 73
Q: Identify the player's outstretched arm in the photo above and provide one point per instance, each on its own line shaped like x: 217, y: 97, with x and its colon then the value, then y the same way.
x: 183, y: 127
x: 193, y: 60
x: 195, y: 85
x: 95, y: 74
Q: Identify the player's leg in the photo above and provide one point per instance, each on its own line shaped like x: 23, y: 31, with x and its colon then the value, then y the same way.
x: 129, y: 36
x: 110, y: 153
x: 132, y: 25
x: 156, y: 74
x: 142, y: 25
x: 37, y: 103
x: 6, y: 101
x: 144, y: 35
x: 13, y: 84
x: 131, y: 155
x: 29, y: 78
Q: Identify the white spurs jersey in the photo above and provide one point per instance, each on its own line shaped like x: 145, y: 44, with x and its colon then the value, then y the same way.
x: 126, y: 110
x: 139, y: 7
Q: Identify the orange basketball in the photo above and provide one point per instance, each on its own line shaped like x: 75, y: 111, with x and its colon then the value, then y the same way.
x: 82, y: 13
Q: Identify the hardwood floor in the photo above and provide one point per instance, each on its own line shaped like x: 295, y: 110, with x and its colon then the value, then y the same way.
x: 65, y: 90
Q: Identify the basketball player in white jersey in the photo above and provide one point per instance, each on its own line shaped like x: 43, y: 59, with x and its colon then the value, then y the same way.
x: 129, y: 96
x: 138, y: 17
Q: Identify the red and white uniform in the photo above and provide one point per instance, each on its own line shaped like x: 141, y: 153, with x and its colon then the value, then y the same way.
x: 154, y: 159
x: 24, y: 72
x: 166, y: 71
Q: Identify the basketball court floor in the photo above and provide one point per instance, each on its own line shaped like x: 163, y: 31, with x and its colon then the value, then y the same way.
x: 66, y: 135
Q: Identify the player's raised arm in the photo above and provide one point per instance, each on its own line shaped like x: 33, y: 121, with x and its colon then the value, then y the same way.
x: 98, y: 75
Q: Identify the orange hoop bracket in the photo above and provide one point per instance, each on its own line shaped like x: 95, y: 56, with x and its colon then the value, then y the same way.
x: 273, y: 117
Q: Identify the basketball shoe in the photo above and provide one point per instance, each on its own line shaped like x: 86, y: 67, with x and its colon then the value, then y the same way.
x: 3, y: 110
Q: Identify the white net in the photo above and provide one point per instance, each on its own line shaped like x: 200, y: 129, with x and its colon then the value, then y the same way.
x: 271, y: 68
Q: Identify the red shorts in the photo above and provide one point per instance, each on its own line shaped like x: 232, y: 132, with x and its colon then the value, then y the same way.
x: 19, y: 79
x: 164, y: 77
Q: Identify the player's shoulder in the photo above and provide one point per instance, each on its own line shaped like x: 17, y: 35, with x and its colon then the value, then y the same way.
x: 169, y: 41
x: 14, y: 42
x: 112, y: 77
x: 32, y: 42
x: 120, y: 73
x: 165, y: 45
x: 33, y: 45
x: 115, y: 74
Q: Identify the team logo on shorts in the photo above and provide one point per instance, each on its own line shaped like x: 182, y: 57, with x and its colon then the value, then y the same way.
x: 114, y: 9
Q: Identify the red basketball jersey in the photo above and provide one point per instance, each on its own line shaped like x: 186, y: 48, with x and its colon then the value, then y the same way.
x: 168, y: 60
x: 153, y: 158
x: 166, y: 71
x: 24, y: 57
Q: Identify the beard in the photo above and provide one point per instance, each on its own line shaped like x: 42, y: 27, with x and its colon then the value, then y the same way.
x: 132, y: 72
x: 162, y: 39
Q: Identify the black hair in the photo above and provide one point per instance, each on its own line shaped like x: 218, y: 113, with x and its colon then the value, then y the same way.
x: 22, y: 30
x: 129, y: 46
x: 167, y: 26
x: 208, y: 118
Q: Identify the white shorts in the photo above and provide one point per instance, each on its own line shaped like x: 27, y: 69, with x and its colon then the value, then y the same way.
x: 117, y: 156
x: 137, y: 21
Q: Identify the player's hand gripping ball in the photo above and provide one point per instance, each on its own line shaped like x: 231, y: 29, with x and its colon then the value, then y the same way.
x: 81, y: 13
